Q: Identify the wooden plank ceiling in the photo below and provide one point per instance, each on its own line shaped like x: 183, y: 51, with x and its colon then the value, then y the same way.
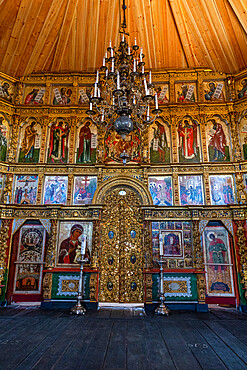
x: 72, y: 35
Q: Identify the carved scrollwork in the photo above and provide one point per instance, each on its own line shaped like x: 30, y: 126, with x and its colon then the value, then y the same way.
x: 4, y: 236
x: 242, y: 247
x: 51, y: 249
x: 47, y: 286
x: 201, y: 288
x: 198, y: 257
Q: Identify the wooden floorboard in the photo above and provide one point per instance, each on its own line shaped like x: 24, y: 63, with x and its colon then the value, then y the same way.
x: 121, y: 339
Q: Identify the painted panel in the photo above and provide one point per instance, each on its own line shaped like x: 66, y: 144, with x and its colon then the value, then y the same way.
x: 86, y: 143
x: 61, y: 95
x: 29, y: 142
x: 4, y: 137
x: 218, y: 140
x: 84, y: 189
x: 70, y: 241
x: 6, y: 90
x: 245, y: 181
x: 191, y: 190
x: 162, y: 91
x: 185, y: 92
x: 2, y: 178
x: 177, y: 243
x: 55, y: 190
x: 188, y: 140
x: 58, y: 142
x: 160, y: 188
x: 241, y: 88
x: 214, y: 91
x: 34, y: 95
x: 85, y: 92
x: 243, y: 135
x: 30, y: 256
x: 217, y: 257
x: 115, y: 145
x: 159, y: 138
x: 25, y: 190
x: 222, y: 189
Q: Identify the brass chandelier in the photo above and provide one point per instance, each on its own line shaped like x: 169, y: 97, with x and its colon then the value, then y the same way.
x: 123, y: 93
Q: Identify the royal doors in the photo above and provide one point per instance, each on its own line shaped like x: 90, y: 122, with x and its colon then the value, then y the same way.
x: 121, y: 260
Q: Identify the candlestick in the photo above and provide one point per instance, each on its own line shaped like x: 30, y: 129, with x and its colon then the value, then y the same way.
x: 162, y: 309
x: 145, y: 86
x: 118, y: 81
x: 148, y: 113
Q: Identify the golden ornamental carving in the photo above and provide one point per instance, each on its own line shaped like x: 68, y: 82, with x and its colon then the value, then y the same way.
x: 149, y: 287
x: 201, y: 288
x: 96, y: 244
x: 7, y: 192
x: 14, y: 138
x: 4, y: 236
x: 93, y: 287
x: 241, y: 190
x: 242, y: 248
x: 148, y: 245
x: 51, y: 249
x: 47, y: 285
x: 198, y: 257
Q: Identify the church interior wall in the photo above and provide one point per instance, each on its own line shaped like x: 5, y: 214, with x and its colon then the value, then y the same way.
x: 189, y: 168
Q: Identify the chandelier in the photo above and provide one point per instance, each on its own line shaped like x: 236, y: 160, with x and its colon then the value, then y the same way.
x: 123, y: 94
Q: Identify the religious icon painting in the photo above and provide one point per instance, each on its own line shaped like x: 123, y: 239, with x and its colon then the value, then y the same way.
x: 185, y: 92
x: 218, y: 140
x: 188, y: 140
x: 84, y: 189
x: 214, y: 91
x: 61, y: 95
x: 30, y: 256
x: 6, y: 90
x: 222, y: 190
x: 34, y: 94
x: 70, y: 242
x: 85, y: 93
x: 58, y: 142
x: 172, y: 243
x: 241, y: 88
x: 162, y: 91
x: 159, y: 138
x: 245, y: 181
x: 29, y: 142
x: 55, y: 190
x: 86, y: 142
x: 115, y: 146
x: 4, y: 137
x: 160, y: 188
x: 2, y: 178
x: 217, y: 259
x: 191, y: 190
x: 243, y: 135
x: 25, y: 190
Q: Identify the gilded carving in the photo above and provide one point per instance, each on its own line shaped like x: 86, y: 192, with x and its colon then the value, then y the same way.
x: 201, y: 288
x: 149, y: 288
x: 242, y: 247
x: 47, y: 285
x: 198, y: 257
x: 7, y: 192
x: 52, y: 243
x: 241, y: 190
x: 4, y: 236
x: 93, y: 287
x: 14, y: 138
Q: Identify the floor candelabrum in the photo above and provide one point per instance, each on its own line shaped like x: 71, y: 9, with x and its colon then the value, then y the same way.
x: 162, y: 309
x: 79, y: 309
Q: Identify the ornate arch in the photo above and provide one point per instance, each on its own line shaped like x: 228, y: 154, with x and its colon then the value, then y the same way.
x: 122, y: 182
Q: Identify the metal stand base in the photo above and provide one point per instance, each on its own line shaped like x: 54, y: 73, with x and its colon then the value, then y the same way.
x: 78, y: 309
x: 162, y: 310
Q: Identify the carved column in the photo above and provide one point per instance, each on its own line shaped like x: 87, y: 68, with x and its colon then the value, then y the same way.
x: 47, y: 285
x: 175, y: 187
x: 241, y: 191
x: 70, y: 187
x: 174, y: 140
x: 242, y: 248
x: 148, y: 250
x: 47, y: 93
x: 72, y: 140
x: 14, y: 138
x: 100, y: 148
x: 207, y: 186
x: 172, y: 89
x: 40, y: 186
x: 44, y: 138
x: 52, y: 243
x: 233, y: 117
x: 7, y: 192
x: 4, y: 239
x: 96, y: 244
x: 204, y: 138
x: 198, y: 256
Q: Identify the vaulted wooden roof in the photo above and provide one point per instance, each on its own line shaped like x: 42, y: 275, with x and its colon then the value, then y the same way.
x: 72, y: 35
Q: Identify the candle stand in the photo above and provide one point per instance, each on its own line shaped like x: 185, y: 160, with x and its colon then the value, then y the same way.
x: 78, y: 309
x: 162, y: 309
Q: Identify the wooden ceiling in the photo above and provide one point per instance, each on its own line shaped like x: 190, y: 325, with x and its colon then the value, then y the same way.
x: 72, y: 35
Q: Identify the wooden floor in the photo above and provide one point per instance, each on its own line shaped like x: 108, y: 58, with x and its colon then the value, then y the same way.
x: 31, y: 338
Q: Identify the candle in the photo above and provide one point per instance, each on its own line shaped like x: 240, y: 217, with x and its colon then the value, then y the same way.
x: 128, y: 50
x: 143, y: 70
x: 134, y: 66
x: 112, y: 66
x: 111, y: 52
x: 118, y: 81
x: 83, y: 244
x: 148, y: 113
x: 145, y: 85
x: 98, y: 93
x: 106, y: 73
x: 103, y: 116
x: 150, y: 78
x: 141, y: 55
x: 97, y: 77
x: 104, y: 62
x: 110, y: 44
x: 134, y: 99
x: 123, y: 38
x: 156, y: 101
x: 90, y: 106
x: 161, y: 245
x: 95, y: 89
x: 135, y: 40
